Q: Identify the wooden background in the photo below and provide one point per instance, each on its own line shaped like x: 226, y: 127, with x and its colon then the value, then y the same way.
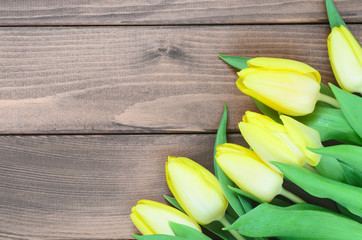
x: 95, y: 94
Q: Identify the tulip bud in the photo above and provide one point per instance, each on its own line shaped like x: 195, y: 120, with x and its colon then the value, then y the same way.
x: 196, y: 189
x: 303, y: 136
x: 345, y: 55
x: 249, y: 172
x: 270, y: 140
x: 153, y: 218
x: 287, y: 86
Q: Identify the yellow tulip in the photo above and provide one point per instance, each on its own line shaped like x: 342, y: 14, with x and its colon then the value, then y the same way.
x: 287, y: 86
x: 270, y: 140
x: 153, y: 218
x: 345, y: 55
x: 303, y: 136
x: 196, y: 189
x: 249, y: 172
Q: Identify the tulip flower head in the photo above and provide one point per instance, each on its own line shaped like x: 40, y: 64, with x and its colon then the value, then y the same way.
x: 153, y: 218
x: 345, y: 55
x: 248, y: 171
x: 286, y: 143
x: 287, y: 86
x: 196, y: 189
x: 270, y: 140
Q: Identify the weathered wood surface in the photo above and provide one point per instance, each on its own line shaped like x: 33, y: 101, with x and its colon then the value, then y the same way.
x: 73, y: 187
x: 138, y: 79
x: 140, y: 12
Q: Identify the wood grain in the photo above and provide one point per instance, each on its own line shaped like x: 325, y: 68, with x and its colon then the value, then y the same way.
x: 138, y: 79
x: 163, y: 12
x: 73, y: 187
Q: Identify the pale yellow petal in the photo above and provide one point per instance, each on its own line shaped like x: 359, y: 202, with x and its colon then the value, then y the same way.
x: 303, y: 136
x: 284, y: 65
x: 345, y: 55
x: 192, y: 188
x: 251, y: 175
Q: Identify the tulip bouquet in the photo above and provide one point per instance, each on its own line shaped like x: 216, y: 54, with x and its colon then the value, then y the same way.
x: 241, y: 200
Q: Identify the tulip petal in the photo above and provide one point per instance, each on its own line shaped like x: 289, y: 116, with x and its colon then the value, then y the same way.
x: 289, y: 92
x: 151, y: 217
x: 250, y: 174
x: 196, y: 190
x: 284, y: 65
x: 303, y: 136
x: 271, y: 146
x: 345, y: 55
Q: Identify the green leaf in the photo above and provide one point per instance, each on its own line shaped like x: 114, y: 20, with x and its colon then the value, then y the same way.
x: 224, y: 180
x: 319, y: 186
x: 326, y: 91
x: 352, y: 177
x: 349, y: 154
x: 347, y: 213
x: 295, y: 223
x: 245, y: 194
x: 331, y: 168
x: 267, y: 110
x: 173, y: 202
x: 235, y: 61
x: 156, y: 237
x: 335, y: 20
x: 214, y: 227
x: 187, y: 232
x: 351, y: 106
x: 246, y: 204
x: 331, y: 124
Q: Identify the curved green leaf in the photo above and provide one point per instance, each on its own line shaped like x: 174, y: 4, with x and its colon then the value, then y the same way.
x: 187, y: 232
x: 331, y: 125
x: 245, y: 194
x: 335, y: 20
x: 267, y: 110
x: 235, y: 61
x: 319, y: 186
x: 351, y: 106
x: 349, y: 154
x: 352, y: 177
x: 331, y: 168
x: 295, y: 223
x: 224, y: 180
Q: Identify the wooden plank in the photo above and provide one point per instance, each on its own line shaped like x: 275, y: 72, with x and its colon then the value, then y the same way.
x: 83, y: 187
x: 133, y: 12
x: 138, y: 79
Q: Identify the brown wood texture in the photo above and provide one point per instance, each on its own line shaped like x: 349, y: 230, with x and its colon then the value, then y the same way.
x: 133, y: 12
x: 73, y: 187
x: 138, y: 79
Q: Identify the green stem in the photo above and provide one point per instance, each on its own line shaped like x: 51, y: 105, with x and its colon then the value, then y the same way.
x: 226, y: 223
x: 291, y: 196
x: 329, y: 100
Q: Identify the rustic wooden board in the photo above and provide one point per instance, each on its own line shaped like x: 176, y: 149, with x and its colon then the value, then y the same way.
x: 73, y: 187
x: 138, y: 12
x: 138, y: 79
